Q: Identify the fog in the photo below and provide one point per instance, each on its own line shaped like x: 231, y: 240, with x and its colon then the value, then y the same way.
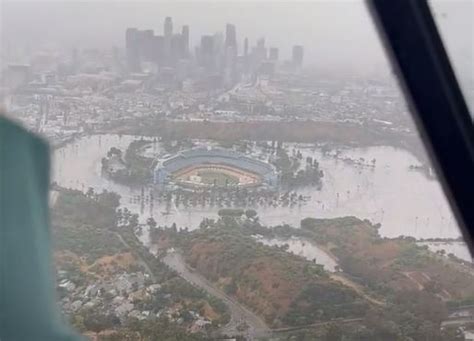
x: 332, y: 32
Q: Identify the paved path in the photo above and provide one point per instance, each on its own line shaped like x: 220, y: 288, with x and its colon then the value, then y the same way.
x: 256, y: 326
x: 140, y: 259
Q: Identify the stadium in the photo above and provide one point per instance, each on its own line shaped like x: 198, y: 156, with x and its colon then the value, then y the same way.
x: 214, y: 168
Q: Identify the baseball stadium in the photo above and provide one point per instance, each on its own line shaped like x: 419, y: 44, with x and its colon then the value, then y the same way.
x: 214, y: 168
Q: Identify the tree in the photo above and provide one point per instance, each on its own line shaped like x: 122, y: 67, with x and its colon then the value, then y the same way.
x: 250, y: 214
x: 151, y: 222
x: 119, y: 216
x: 232, y: 212
x: 114, y: 151
x: 97, y: 322
x: 125, y: 216
x: 90, y: 193
x: 133, y: 222
x: 333, y: 333
x: 108, y: 199
x: 105, y: 163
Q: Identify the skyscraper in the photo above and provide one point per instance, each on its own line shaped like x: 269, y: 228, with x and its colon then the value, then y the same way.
x: 207, y: 45
x: 246, y: 59
x: 185, y: 40
x: 297, y: 55
x: 261, y: 50
x: 132, y: 47
x: 273, y: 54
x: 207, y: 59
x: 176, y: 48
x: 168, y: 27
x: 230, y: 54
x: 230, y: 66
x: 168, y: 32
x: 146, y: 41
x: 158, y: 49
x: 230, y: 36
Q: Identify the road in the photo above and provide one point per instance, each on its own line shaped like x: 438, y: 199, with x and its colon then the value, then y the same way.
x: 140, y: 259
x: 458, y: 322
x: 239, y: 314
x: 256, y: 326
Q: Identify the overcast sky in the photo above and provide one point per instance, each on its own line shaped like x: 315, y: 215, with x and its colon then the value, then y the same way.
x: 335, y: 34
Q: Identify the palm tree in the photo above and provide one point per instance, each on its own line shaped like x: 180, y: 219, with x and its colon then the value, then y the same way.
x: 119, y: 216
x: 133, y: 221
x: 126, y: 216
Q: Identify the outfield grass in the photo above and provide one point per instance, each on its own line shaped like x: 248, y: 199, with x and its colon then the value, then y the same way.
x: 218, y: 178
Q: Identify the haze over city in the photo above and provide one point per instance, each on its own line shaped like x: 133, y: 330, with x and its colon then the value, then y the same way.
x: 332, y: 32
x: 245, y: 171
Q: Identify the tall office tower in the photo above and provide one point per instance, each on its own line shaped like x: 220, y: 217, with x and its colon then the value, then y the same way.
x: 230, y: 66
x: 185, y: 40
x: 176, y: 48
x: 219, y: 51
x: 168, y: 28
x: 261, y: 50
x: 219, y: 43
x: 168, y: 32
x: 132, y: 47
x: 146, y: 41
x: 230, y: 51
x: 230, y: 36
x: 273, y: 54
x: 297, y: 55
x: 246, y: 58
x: 158, y: 49
x: 207, y: 45
x: 207, y: 50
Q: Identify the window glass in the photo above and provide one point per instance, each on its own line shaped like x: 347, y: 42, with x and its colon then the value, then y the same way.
x: 455, y: 23
x: 245, y: 170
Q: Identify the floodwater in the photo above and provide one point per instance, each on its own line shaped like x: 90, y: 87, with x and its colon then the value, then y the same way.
x: 303, y: 248
x: 404, y: 201
x: 458, y: 249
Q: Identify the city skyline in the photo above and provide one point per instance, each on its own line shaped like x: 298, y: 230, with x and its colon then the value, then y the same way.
x: 215, y: 52
x: 352, y: 37
x: 245, y: 171
x: 253, y: 20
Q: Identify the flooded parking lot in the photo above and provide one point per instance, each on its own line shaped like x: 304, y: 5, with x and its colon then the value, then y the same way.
x: 376, y: 183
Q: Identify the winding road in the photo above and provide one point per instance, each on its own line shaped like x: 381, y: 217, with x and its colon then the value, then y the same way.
x: 239, y: 314
x: 256, y: 327
x: 140, y: 258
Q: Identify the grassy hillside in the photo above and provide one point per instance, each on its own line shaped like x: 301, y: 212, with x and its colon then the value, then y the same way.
x: 390, y: 266
x: 285, y: 289
x: 399, y: 290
